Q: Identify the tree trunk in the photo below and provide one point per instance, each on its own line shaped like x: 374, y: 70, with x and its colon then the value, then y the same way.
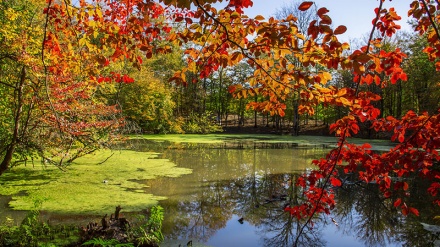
x: 295, y: 129
x: 14, y: 140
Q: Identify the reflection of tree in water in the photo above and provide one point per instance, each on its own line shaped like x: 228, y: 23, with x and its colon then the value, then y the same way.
x: 208, y: 212
x: 278, y: 226
x: 370, y: 218
x: 374, y: 220
x: 263, y: 197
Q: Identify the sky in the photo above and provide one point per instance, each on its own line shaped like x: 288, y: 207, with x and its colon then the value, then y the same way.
x: 356, y: 15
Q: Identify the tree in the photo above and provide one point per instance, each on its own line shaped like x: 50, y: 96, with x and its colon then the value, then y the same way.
x: 148, y: 102
x: 304, y: 18
x: 422, y: 92
x: 20, y: 80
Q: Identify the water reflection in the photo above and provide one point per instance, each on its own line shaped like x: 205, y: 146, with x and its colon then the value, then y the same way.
x: 236, y: 197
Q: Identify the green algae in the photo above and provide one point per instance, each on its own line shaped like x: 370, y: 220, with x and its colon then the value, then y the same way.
x: 89, y: 186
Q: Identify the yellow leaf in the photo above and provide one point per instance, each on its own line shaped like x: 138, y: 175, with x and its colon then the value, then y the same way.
x: 98, y: 13
x: 325, y: 76
x: 345, y: 101
x: 342, y: 92
x: 235, y: 14
x: 345, y: 46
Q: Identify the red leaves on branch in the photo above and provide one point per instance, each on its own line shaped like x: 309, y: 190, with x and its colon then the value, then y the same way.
x: 386, y: 24
x: 240, y: 4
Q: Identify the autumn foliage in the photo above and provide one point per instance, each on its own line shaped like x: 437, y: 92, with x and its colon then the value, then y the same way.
x: 288, y: 62
x: 83, y: 42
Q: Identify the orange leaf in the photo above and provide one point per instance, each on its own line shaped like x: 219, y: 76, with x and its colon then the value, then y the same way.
x: 340, y: 30
x: 305, y: 6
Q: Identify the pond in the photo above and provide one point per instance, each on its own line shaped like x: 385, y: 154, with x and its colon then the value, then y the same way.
x: 236, y: 194
x: 233, y: 194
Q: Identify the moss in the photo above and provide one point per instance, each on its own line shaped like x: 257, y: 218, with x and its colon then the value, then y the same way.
x: 88, y: 186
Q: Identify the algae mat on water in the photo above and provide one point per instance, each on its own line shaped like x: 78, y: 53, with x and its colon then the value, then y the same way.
x: 88, y: 187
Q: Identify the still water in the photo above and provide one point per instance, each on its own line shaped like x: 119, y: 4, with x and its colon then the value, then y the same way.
x: 236, y: 194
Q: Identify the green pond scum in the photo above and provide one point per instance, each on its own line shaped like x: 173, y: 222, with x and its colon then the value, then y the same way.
x: 89, y: 186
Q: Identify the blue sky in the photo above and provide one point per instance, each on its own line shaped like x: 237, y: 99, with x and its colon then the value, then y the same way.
x: 356, y: 15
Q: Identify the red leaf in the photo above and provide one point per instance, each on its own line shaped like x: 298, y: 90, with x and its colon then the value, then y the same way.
x: 305, y: 6
x: 340, y: 30
x: 414, y: 211
x: 405, y: 186
x: 322, y: 11
x: 335, y: 182
x: 401, y: 138
x: 405, y: 211
x: 397, y: 202
x: 366, y: 146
